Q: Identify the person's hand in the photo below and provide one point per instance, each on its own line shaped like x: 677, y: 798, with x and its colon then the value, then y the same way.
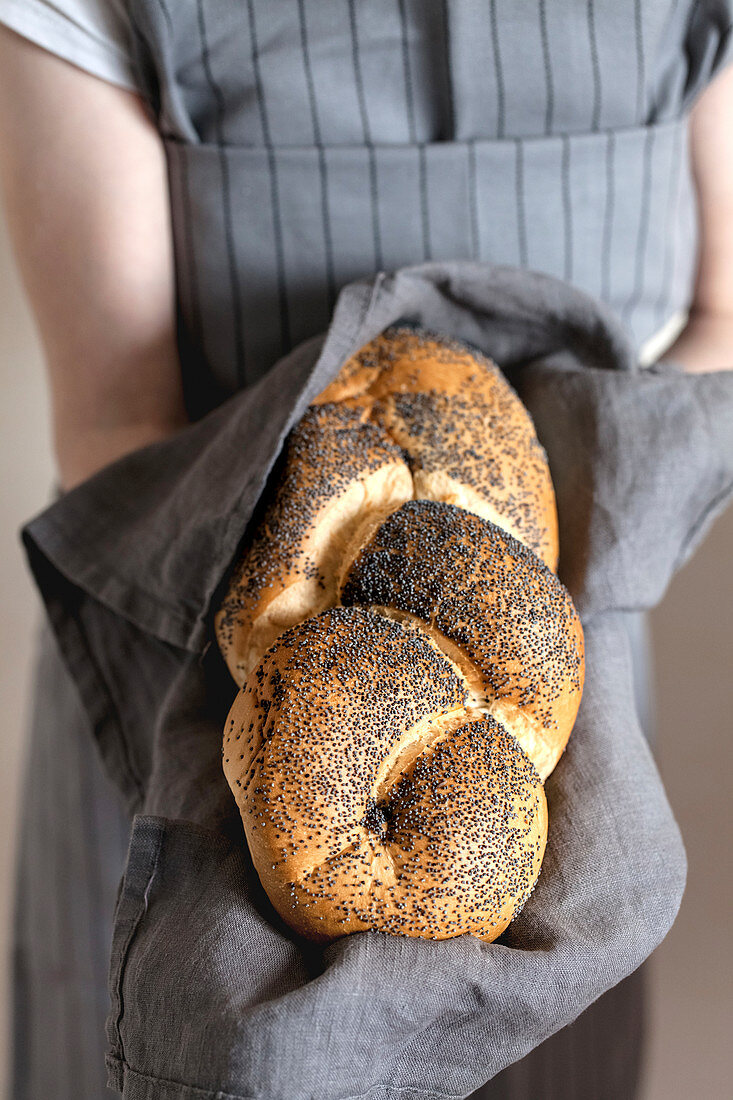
x: 706, y: 343
x: 86, y: 194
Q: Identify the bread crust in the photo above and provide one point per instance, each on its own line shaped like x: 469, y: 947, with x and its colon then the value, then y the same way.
x: 387, y: 756
x: 412, y: 415
x: 485, y: 598
x: 372, y: 796
x: 340, y: 472
x: 468, y: 438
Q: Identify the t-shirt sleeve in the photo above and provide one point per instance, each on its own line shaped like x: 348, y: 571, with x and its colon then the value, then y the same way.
x: 93, y: 34
x: 708, y: 45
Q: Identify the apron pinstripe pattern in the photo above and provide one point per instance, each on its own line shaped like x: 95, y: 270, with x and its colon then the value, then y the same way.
x: 308, y: 144
x: 73, y: 836
x: 318, y: 143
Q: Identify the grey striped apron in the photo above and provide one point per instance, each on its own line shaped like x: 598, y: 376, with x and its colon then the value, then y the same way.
x: 310, y: 143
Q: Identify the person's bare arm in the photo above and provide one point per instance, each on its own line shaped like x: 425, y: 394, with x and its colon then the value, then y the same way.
x: 706, y: 343
x: 84, y: 180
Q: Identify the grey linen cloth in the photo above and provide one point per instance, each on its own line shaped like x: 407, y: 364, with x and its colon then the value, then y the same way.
x: 211, y: 997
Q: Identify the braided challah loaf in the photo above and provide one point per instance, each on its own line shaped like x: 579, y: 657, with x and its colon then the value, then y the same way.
x: 387, y: 755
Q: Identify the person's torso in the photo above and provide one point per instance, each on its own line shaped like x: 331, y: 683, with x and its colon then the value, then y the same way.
x: 311, y: 143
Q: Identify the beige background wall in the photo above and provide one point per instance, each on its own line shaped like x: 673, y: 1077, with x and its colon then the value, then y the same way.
x: 690, y: 1053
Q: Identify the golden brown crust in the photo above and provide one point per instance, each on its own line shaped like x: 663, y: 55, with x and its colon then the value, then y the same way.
x: 468, y: 438
x: 372, y: 797
x: 339, y: 470
x: 493, y: 605
x: 411, y: 415
x: 387, y: 759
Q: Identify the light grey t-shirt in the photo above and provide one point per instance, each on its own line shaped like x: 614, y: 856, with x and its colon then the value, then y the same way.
x: 92, y: 34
